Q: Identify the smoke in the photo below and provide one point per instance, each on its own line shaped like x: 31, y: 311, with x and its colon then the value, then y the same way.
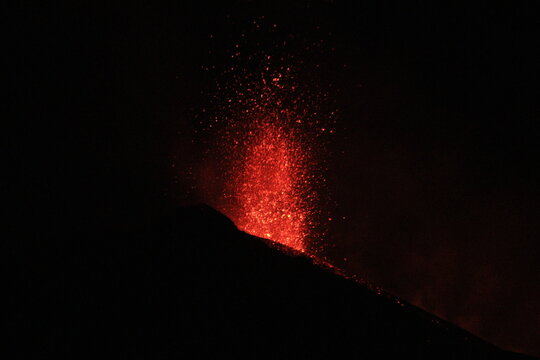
x: 442, y: 235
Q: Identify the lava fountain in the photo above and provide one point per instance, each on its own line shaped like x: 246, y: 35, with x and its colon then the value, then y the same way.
x: 267, y: 146
x: 270, y: 168
x: 271, y: 185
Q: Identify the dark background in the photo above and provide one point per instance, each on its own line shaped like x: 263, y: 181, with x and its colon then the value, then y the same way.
x: 433, y: 166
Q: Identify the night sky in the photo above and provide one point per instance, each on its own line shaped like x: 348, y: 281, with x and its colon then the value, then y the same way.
x: 432, y: 172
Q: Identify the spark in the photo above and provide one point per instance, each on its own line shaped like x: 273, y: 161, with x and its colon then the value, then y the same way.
x: 268, y: 148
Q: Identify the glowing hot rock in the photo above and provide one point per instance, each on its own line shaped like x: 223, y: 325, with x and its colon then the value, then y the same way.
x: 271, y: 186
x: 268, y: 154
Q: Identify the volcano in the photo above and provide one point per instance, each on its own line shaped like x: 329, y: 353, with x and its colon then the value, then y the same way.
x: 188, y: 283
x: 258, y: 298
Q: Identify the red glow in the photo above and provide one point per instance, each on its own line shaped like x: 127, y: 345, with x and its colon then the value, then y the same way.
x: 271, y: 185
x: 269, y: 165
x: 268, y: 130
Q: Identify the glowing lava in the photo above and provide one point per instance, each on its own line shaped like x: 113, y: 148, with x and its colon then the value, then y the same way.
x: 266, y: 147
x: 272, y: 185
x: 269, y: 167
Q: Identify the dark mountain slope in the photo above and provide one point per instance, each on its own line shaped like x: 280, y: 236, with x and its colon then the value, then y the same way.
x: 192, y: 285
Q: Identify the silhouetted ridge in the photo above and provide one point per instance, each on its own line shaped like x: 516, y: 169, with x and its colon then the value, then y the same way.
x: 188, y: 284
x: 248, y: 297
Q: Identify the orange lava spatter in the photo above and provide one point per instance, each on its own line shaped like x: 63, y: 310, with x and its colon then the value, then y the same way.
x: 268, y: 131
x: 272, y: 187
x: 270, y: 170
